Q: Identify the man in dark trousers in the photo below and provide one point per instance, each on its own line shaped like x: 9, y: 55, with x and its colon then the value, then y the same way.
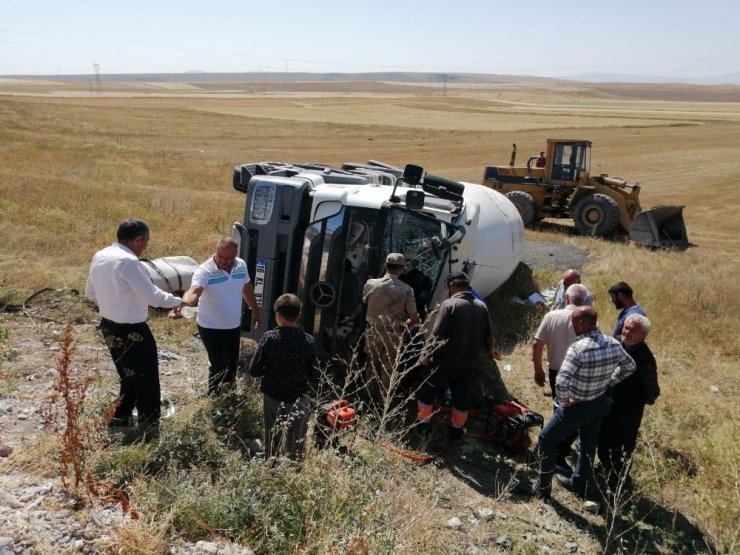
x: 121, y: 288
x: 557, y: 334
x: 618, y: 434
x: 461, y: 329
x: 218, y: 287
x: 592, y: 365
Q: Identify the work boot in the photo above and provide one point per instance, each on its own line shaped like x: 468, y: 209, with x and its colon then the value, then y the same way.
x: 121, y: 422
x: 567, y: 483
x: 531, y: 488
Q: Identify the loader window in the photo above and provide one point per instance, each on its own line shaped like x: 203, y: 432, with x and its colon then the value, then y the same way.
x: 570, y: 160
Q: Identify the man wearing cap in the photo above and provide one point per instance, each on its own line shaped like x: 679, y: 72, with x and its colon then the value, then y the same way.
x: 461, y: 329
x: 390, y: 306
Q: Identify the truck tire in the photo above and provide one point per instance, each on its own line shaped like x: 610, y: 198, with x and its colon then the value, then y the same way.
x: 596, y: 214
x: 525, y: 205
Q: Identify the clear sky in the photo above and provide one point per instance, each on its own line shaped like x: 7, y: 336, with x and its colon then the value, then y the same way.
x: 686, y: 38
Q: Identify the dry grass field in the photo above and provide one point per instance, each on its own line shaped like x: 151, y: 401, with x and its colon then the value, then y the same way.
x: 72, y: 164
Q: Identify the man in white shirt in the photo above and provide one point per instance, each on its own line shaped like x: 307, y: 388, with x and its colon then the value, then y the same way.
x: 123, y: 291
x: 218, y: 286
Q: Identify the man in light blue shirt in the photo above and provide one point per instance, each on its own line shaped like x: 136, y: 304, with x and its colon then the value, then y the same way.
x: 570, y: 277
x: 621, y: 296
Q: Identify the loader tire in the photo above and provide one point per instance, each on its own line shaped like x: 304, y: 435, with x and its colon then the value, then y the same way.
x: 596, y: 214
x: 525, y: 206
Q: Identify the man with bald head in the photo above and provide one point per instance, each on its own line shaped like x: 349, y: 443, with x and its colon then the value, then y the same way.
x: 592, y: 364
x: 570, y: 277
x: 218, y: 287
x: 557, y: 334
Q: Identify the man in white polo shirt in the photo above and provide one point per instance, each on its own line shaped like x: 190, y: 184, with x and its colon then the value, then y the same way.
x: 121, y: 288
x: 218, y: 286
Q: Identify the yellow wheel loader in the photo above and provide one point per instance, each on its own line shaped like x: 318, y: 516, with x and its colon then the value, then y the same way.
x: 558, y: 184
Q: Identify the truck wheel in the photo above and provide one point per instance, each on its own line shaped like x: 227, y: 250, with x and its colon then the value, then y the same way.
x: 525, y: 205
x: 596, y: 214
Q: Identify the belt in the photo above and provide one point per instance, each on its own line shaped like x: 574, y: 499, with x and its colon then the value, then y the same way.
x: 107, y: 321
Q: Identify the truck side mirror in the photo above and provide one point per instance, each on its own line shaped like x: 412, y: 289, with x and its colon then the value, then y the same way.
x: 412, y: 174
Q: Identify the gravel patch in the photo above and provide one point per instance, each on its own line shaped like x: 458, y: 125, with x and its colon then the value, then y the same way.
x: 549, y: 254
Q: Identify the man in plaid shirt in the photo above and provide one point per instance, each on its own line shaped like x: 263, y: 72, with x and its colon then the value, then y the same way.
x: 592, y: 365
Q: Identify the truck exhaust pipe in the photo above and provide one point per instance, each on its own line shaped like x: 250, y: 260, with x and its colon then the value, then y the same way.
x: 660, y: 227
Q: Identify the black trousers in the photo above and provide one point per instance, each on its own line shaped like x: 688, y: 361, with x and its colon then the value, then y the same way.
x: 457, y: 379
x: 618, y: 436
x: 222, y: 347
x: 134, y: 354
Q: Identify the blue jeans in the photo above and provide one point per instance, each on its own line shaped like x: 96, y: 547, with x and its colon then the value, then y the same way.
x: 585, y: 418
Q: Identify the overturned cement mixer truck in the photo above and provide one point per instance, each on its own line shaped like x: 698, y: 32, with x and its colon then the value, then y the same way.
x: 321, y: 232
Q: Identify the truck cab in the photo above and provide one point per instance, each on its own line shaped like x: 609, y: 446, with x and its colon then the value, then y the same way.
x: 321, y: 232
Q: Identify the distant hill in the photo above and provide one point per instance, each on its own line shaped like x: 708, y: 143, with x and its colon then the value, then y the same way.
x: 197, y: 82
x: 198, y: 76
x: 290, y: 77
x: 728, y: 79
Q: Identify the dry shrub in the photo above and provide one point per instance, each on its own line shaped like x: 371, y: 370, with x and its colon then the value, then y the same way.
x: 145, y: 536
x: 42, y: 459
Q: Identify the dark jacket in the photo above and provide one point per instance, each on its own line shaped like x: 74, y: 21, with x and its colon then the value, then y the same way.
x: 464, y: 322
x: 641, y: 387
x: 286, y: 362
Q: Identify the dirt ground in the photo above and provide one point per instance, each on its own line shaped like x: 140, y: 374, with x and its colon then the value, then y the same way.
x: 33, y: 351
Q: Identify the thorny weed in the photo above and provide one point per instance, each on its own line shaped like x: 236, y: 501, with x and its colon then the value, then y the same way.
x: 382, y: 379
x: 79, y: 433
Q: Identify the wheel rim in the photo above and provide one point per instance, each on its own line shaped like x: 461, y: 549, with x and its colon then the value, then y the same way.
x: 592, y: 216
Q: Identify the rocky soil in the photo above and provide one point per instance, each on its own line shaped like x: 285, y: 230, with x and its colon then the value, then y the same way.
x: 37, y: 514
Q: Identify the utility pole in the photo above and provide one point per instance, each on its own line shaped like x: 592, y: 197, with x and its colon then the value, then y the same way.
x: 98, y: 82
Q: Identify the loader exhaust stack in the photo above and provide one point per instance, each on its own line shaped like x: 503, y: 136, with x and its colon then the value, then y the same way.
x: 661, y: 227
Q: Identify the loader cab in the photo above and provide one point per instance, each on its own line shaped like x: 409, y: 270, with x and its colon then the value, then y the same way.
x: 569, y: 160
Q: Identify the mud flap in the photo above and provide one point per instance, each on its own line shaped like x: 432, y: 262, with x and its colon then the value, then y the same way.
x: 660, y: 226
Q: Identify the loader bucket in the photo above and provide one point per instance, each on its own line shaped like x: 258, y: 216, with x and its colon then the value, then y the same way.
x: 660, y: 226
